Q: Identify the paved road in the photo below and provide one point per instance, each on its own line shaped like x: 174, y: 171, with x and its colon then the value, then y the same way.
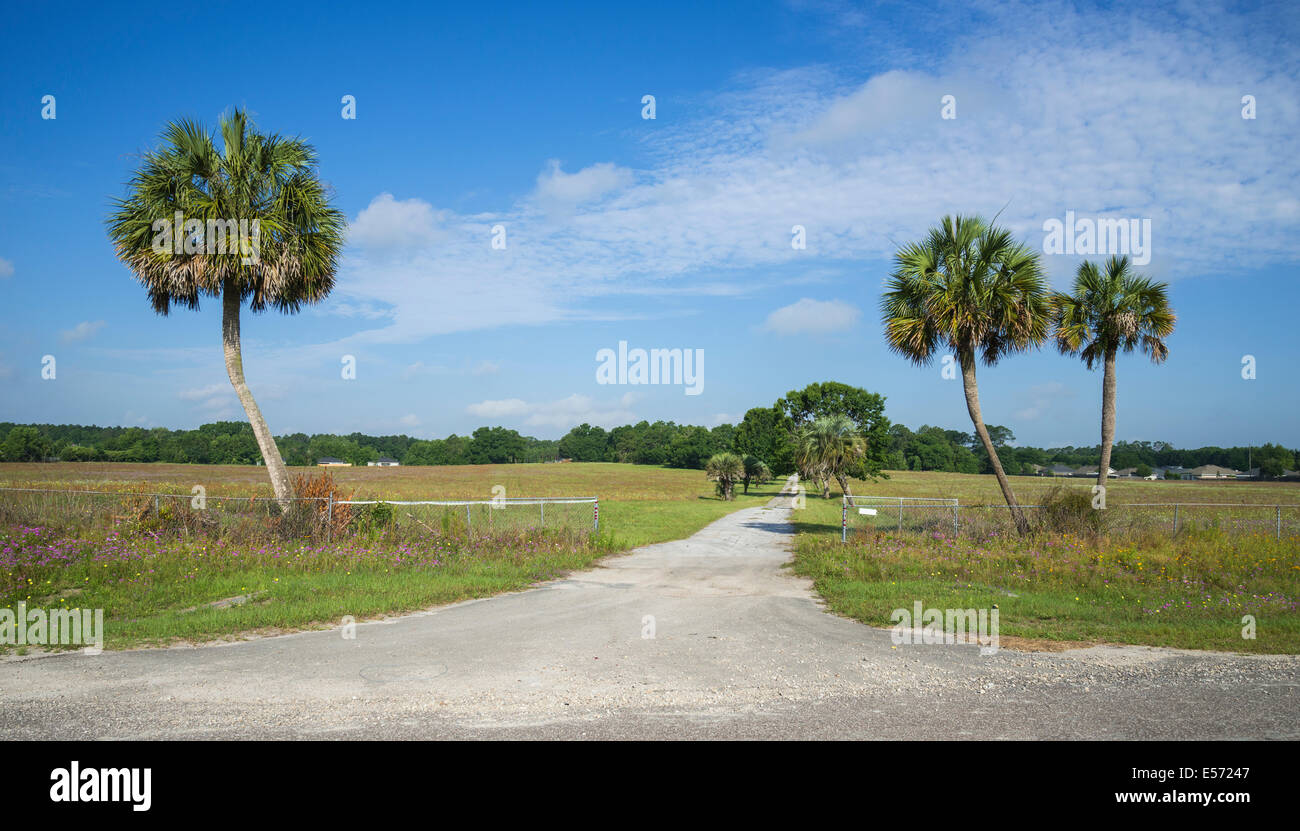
x: 741, y: 649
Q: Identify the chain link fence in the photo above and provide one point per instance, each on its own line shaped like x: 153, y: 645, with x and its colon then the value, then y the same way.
x: 316, y: 518
x: 473, y: 516
x: 948, y: 517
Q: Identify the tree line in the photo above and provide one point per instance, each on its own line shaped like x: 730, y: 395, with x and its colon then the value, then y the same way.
x: 767, y: 434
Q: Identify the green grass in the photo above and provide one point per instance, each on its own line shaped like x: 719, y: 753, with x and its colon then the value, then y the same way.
x: 1191, y: 592
x: 160, y: 590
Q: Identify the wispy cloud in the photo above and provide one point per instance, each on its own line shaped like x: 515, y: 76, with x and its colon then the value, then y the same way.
x: 558, y: 415
x: 82, y: 331
x: 1043, y: 399
x: 812, y: 317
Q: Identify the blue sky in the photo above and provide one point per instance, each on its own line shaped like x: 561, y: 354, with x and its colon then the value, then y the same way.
x: 666, y: 233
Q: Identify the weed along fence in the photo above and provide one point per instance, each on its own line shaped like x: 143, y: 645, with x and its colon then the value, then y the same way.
x: 481, y: 515
x: 948, y: 517
x: 317, y: 517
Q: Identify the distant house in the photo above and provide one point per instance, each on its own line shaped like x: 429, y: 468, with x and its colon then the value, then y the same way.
x: 1091, y: 470
x: 330, y: 461
x: 1253, y: 473
x: 1174, y: 471
x: 1057, y: 470
x: 1212, y: 472
x: 384, y: 461
x: 1125, y: 473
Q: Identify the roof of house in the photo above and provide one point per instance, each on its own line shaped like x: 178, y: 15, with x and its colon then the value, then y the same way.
x: 329, y: 460
x: 1215, y: 469
x: 385, y: 459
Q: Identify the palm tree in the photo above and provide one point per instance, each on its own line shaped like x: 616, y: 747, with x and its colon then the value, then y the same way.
x: 266, y: 181
x: 968, y: 287
x: 1106, y: 312
x: 756, y: 471
x: 827, y: 448
x: 726, y: 469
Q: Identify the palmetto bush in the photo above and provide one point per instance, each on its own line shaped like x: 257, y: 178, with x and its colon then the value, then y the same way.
x: 725, y: 469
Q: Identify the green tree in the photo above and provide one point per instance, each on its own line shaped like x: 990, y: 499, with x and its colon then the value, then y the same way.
x: 585, y: 443
x: 1109, y: 311
x: 765, y: 433
x: 691, y: 447
x: 26, y: 444
x: 865, y: 409
x: 265, y: 180
x: 970, y: 288
x: 496, y: 445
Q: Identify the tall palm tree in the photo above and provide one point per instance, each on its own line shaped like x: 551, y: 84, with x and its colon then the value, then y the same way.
x: 265, y: 180
x: 828, y: 448
x: 968, y: 287
x: 1108, y: 312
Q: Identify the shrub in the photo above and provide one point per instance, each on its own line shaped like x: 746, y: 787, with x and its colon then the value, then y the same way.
x: 1065, y: 510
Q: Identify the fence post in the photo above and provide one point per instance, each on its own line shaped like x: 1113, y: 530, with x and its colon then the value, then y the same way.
x: 900, y: 514
x: 329, y: 518
x: 1175, y: 519
x: 844, y: 520
x: 1279, y: 522
x: 155, y: 504
x: 955, y: 531
x: 467, y: 519
x: 595, y: 520
x: 543, y: 504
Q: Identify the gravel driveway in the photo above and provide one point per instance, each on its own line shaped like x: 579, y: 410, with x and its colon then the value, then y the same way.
x: 740, y: 649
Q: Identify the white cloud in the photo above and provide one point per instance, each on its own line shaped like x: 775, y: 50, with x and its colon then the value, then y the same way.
x: 1042, y: 399
x: 559, y: 415
x: 498, y: 409
x: 555, y: 188
x: 812, y: 317
x: 215, y: 402
x: 394, y: 223
x: 410, y: 420
x: 485, y: 368
x: 199, y: 393
x: 82, y: 331
x: 6, y: 268
x: 420, y: 369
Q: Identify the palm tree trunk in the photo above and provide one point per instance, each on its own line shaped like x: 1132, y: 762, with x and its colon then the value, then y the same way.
x: 1107, y: 416
x: 230, y: 302
x: 973, y: 407
x: 844, y: 484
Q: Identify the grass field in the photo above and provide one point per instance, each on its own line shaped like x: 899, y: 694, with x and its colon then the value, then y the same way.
x: 155, y: 590
x: 1190, y: 591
